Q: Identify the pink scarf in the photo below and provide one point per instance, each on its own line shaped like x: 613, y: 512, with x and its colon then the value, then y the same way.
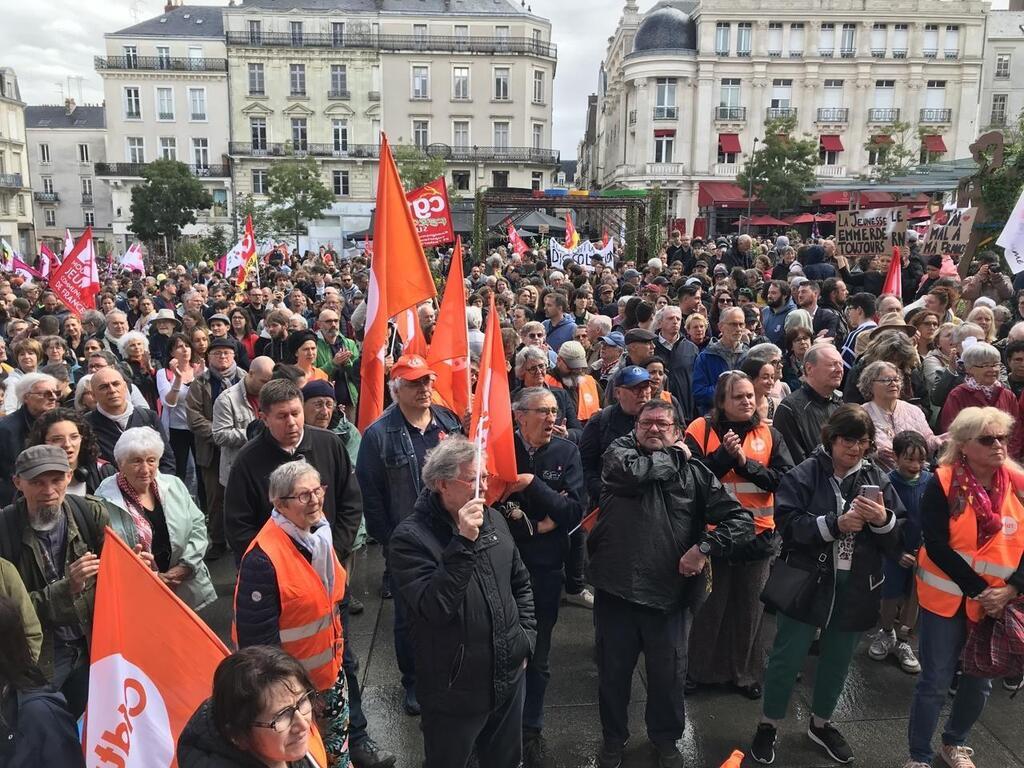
x: 137, y: 511
x: 966, y: 490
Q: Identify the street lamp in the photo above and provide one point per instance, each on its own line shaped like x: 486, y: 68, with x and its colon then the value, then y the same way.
x: 750, y: 184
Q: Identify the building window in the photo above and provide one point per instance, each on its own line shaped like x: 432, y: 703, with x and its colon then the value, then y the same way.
x: 460, y: 181
x: 900, y: 34
x: 86, y: 186
x: 461, y: 31
x: 339, y: 80
x: 300, y: 134
x: 257, y: 85
x: 340, y: 179
x: 164, y: 104
x: 259, y: 181
x: 460, y: 134
x: 501, y: 135
x: 44, y: 153
x: 538, y: 136
x: 460, y: 83
x: 90, y: 218
x: 848, y: 41
x: 421, y: 133
x: 51, y: 217
x: 501, y: 78
x: 723, y: 32
x: 774, y: 39
x: 201, y: 153
x: 419, y: 32
x: 1002, y: 69
x: 727, y: 158
x: 297, y: 79
x: 663, y: 146
x: 998, y: 114
x: 168, y: 148
x: 665, y: 98
x: 827, y: 157
x: 83, y: 153
x: 197, y: 103
x: 131, y: 56
x: 935, y: 95
x: 502, y: 33
x: 877, y: 154
x: 744, y: 31
x: 338, y: 33
x: 48, y: 185
x: 878, y: 38
x: 132, y: 104
x: 951, y: 47
x: 421, y: 82
x: 339, y: 133
x: 782, y: 95
x: 295, y: 27
x: 258, y: 133
x: 827, y: 40
x: 536, y: 180
x: 796, y: 40
x: 930, y: 44
x: 538, y: 87
x: 136, y: 149
x: 255, y: 32
x: 499, y: 179
x: 163, y: 57
x: 730, y: 93
x: 885, y: 94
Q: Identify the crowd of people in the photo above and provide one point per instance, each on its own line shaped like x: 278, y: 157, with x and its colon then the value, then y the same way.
x: 737, y: 453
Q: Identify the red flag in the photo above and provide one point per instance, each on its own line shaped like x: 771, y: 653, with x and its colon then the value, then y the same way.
x: 588, y: 522
x: 515, y: 241
x: 399, y: 279
x: 77, y: 280
x: 48, y: 261
x: 248, y: 255
x: 449, y: 349
x: 604, y: 239
x: 432, y: 212
x: 491, y: 424
x: 894, y: 277
x: 572, y: 237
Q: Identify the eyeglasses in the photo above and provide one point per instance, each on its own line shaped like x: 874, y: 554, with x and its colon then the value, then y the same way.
x: 889, y: 380
x: 985, y: 365
x: 47, y: 395
x: 661, y: 426
x: 484, y: 478
x: 306, y: 497
x: 854, y: 442
x: 536, y: 369
x: 542, y: 411
x: 283, y: 719
x: 989, y: 440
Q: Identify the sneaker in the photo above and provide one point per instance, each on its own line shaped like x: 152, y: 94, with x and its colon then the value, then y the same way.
x: 669, y: 756
x: 355, y: 606
x: 883, y: 644
x: 762, y: 749
x: 831, y: 740
x: 957, y: 757
x: 905, y: 656
x: 610, y: 755
x: 584, y: 599
x: 366, y: 754
x: 1013, y: 683
x: 534, y: 750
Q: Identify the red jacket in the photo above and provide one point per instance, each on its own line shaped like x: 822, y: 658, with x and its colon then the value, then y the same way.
x: 963, y: 397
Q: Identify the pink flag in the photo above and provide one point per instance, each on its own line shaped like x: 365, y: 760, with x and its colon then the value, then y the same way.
x: 23, y: 270
x: 132, y: 258
x: 69, y: 243
x: 515, y: 241
x: 77, y: 280
x: 48, y: 261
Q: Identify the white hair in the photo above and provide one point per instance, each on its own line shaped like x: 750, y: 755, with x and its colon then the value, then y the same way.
x: 474, y: 318
x: 128, y: 338
x: 84, y: 385
x: 446, y: 460
x: 138, y: 441
x: 29, y: 380
x: 284, y: 478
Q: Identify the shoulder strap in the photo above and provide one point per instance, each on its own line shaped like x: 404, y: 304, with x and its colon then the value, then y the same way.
x: 10, y: 540
x: 81, y: 509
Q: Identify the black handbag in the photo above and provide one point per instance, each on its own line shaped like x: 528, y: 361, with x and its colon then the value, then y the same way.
x: 793, y: 591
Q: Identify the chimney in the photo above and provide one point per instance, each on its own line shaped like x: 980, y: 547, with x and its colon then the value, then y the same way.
x: 69, y: 106
x: 169, y: 7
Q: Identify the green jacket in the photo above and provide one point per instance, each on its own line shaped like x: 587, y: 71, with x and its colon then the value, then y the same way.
x: 345, y: 374
x: 13, y: 587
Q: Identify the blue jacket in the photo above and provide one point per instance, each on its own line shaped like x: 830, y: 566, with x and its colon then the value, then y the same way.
x: 388, y: 471
x: 561, y: 333
x: 910, y: 494
x: 712, y: 362
x: 774, y: 322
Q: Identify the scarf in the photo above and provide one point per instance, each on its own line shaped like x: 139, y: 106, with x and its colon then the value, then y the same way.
x: 990, y: 391
x: 221, y: 381
x: 122, y: 420
x: 137, y: 512
x: 966, y: 490
x: 317, y: 541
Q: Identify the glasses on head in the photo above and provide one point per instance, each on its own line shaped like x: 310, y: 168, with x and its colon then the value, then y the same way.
x: 889, y: 380
x: 855, y: 442
x: 283, y: 720
x: 989, y: 440
x: 655, y: 424
x: 307, y: 497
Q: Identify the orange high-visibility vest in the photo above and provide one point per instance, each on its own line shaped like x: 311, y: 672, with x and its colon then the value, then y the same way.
x: 757, y: 445
x: 995, y: 562
x: 588, y: 400
x: 310, y: 624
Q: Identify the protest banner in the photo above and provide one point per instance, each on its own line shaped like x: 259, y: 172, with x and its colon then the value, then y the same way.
x: 866, y: 233
x: 77, y: 280
x: 432, y: 213
x: 1011, y: 239
x: 951, y: 237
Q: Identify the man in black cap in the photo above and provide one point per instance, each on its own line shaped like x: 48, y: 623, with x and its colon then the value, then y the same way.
x: 220, y: 328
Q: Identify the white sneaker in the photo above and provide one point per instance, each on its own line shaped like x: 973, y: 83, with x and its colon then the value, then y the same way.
x: 883, y: 644
x: 908, y: 661
x: 957, y: 757
x: 585, y: 599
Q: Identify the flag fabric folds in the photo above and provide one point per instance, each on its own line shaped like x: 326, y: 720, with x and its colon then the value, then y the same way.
x: 132, y: 258
x: 449, y: 346
x: 572, y: 237
x: 515, y: 242
x: 77, y: 280
x: 248, y: 256
x: 48, y: 261
x: 894, y: 277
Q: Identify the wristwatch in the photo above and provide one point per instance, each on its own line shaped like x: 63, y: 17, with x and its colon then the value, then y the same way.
x: 704, y: 548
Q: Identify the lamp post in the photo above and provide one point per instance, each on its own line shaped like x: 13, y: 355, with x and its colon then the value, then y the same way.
x: 750, y: 185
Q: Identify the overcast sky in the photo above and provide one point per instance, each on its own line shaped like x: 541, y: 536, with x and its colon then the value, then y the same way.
x: 48, y: 41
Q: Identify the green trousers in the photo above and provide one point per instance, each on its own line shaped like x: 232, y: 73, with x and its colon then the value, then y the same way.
x: 792, y: 642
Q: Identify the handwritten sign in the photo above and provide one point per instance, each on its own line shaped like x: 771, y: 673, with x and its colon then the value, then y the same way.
x: 951, y: 237
x: 871, y: 232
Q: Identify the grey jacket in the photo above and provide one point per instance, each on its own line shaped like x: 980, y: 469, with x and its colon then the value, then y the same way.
x: 231, y: 415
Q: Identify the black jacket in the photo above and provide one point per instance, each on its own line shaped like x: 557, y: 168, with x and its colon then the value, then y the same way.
x: 679, y: 362
x: 200, y: 745
x: 806, y: 516
x: 567, y: 415
x: 799, y: 419
x: 14, y: 430
x: 558, y: 492
x: 602, y: 429
x: 470, y: 607
x: 275, y: 349
x: 107, y: 433
x: 247, y: 507
x: 37, y: 730
x: 655, y: 507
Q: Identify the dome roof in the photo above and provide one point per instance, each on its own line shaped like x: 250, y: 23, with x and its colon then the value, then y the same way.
x: 667, y: 25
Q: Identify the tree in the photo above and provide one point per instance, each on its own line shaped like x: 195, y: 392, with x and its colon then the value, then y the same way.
x: 782, y: 168
x: 262, y: 222
x: 1001, y: 187
x: 656, y: 222
x: 166, y: 203
x: 632, y: 232
x: 297, y: 195
x: 415, y: 166
x: 895, y: 158
x: 215, y: 243
x: 479, y: 226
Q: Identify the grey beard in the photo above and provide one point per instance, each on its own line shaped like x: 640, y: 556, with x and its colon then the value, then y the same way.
x: 44, y: 518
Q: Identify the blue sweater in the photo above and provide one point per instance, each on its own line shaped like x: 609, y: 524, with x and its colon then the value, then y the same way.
x: 910, y: 494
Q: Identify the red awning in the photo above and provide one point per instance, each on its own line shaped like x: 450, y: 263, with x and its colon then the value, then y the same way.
x: 766, y: 221
x: 729, y: 142
x: 881, y: 139
x: 664, y: 131
x: 934, y: 143
x: 721, y: 194
x: 802, y: 218
x: 919, y: 213
x: 831, y: 143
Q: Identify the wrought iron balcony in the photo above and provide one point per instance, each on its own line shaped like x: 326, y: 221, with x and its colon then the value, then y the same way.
x: 86, y: 198
x: 338, y: 94
x: 951, y: 53
x: 883, y: 115
x: 936, y: 115
x: 733, y: 114
x: 46, y: 197
x: 930, y: 53
x: 878, y: 53
x: 666, y: 113
x: 774, y: 113
x: 136, y: 169
x: 10, y: 181
x: 165, y: 63
x: 495, y: 154
x: 899, y: 53
x: 848, y: 53
x: 833, y: 115
x: 396, y: 43
x: 287, y: 149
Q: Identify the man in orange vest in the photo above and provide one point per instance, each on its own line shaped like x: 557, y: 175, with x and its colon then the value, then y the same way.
x: 573, y: 374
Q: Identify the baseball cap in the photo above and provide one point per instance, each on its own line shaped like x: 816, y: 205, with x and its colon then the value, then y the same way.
x: 33, y: 461
x: 630, y: 273
x: 573, y: 354
x: 632, y: 375
x: 614, y: 339
x: 639, y: 334
x: 411, y: 368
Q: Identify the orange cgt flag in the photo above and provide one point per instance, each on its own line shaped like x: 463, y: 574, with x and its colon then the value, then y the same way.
x: 572, y: 237
x: 399, y: 280
x: 449, y: 349
x: 491, y: 424
x: 894, y: 277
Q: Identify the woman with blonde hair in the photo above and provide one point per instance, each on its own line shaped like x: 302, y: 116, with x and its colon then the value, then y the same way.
x: 970, y: 567
x: 984, y: 318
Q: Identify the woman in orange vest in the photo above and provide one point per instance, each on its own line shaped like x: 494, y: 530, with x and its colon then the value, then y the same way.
x: 290, y: 583
x: 970, y: 567
x: 728, y: 643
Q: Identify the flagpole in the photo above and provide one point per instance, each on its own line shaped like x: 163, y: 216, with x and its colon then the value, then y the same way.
x: 479, y: 460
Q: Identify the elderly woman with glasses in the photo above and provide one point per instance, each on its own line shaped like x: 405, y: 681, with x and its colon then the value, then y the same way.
x: 290, y: 584
x: 157, y: 511
x: 532, y: 370
x: 881, y: 385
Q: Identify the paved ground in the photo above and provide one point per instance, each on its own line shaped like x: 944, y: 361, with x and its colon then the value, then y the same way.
x: 872, y: 713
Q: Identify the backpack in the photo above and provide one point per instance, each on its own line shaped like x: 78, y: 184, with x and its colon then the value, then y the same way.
x: 12, y: 525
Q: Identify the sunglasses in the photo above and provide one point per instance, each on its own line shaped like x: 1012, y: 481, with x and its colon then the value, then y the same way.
x: 989, y: 440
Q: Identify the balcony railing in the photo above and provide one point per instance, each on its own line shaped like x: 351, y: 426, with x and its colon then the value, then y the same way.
x: 774, y: 54
x: 176, y: 64
x: 10, y: 181
x: 498, y: 154
x: 848, y: 53
x: 729, y: 170
x: 833, y: 115
x: 951, y: 53
x: 666, y: 113
x: 370, y: 151
x: 878, y: 53
x: 731, y: 113
x: 936, y: 115
x: 826, y: 53
x: 831, y: 171
x: 883, y: 115
x: 664, y: 169
x: 387, y: 42
x: 309, y: 150
x: 136, y: 169
x: 899, y: 53
x: 46, y: 197
x: 774, y: 113
x: 338, y: 94
x: 86, y: 199
x: 930, y: 53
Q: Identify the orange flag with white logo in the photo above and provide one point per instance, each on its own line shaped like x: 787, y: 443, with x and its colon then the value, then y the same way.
x: 449, y: 347
x: 399, y: 280
x: 152, y: 666
x: 249, y: 256
x: 491, y: 424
